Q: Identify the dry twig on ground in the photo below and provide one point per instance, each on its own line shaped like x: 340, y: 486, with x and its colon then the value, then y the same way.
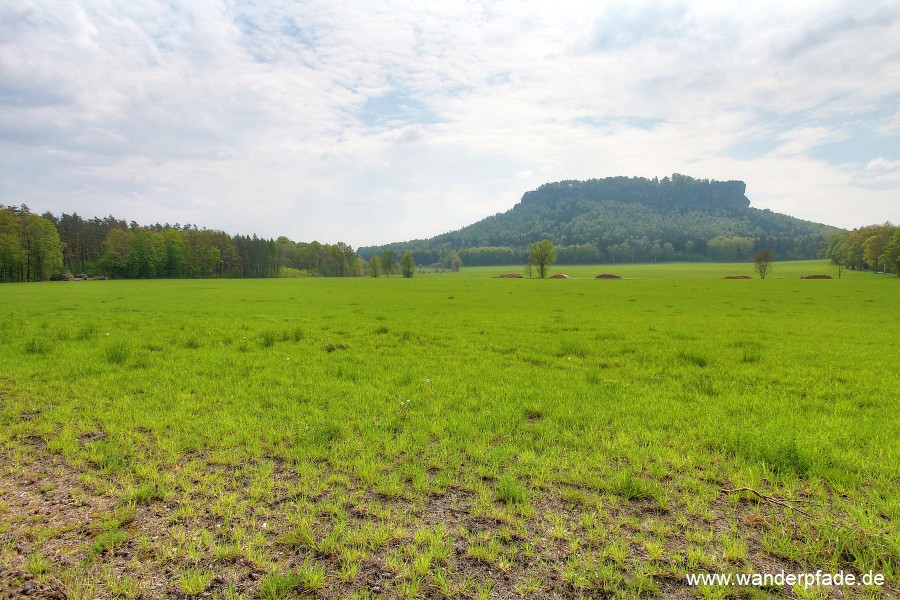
x: 771, y: 499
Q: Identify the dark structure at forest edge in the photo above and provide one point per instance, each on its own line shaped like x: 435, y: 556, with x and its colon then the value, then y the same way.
x: 622, y: 219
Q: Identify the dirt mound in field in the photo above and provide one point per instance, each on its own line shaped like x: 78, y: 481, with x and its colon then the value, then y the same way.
x: 738, y: 277
x: 607, y: 276
x: 817, y: 277
x: 508, y: 276
x: 560, y: 276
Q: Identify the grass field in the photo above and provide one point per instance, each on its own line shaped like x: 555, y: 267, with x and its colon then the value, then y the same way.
x: 451, y: 435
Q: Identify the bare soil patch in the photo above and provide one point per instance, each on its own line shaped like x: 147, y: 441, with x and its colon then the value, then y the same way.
x: 51, y: 510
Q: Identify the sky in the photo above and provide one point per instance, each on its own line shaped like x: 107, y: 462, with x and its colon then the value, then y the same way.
x: 374, y: 122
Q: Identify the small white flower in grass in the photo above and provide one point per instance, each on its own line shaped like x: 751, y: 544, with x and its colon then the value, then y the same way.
x: 107, y: 333
x: 427, y: 380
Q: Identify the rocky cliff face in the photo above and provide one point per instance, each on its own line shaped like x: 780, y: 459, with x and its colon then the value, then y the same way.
x: 679, y: 193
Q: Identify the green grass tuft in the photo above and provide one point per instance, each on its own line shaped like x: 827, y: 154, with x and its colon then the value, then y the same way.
x: 194, y: 582
x: 146, y: 493
x: 510, y: 491
x: 631, y: 487
x: 693, y: 358
x: 277, y: 586
x: 117, y: 352
x: 36, y: 345
x: 268, y: 338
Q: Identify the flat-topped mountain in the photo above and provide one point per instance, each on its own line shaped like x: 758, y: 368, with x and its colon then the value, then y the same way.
x: 627, y: 219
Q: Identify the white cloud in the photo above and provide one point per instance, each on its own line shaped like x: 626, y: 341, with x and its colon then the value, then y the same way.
x: 337, y: 120
x: 883, y: 171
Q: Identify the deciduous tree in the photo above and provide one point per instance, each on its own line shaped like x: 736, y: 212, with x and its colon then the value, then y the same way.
x: 374, y: 266
x: 874, y: 246
x: 407, y: 264
x: 762, y: 262
x: 542, y: 255
x: 388, y: 262
x: 892, y: 252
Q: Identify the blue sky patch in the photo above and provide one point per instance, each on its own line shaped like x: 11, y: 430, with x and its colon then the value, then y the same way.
x: 395, y: 109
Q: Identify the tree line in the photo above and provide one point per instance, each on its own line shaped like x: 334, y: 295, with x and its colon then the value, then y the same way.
x: 720, y: 248
x: 40, y: 247
x: 30, y: 247
x: 873, y: 247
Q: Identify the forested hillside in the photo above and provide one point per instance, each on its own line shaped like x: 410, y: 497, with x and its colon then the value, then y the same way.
x: 627, y: 219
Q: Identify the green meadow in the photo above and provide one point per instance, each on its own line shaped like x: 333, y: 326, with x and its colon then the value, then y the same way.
x: 450, y: 435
